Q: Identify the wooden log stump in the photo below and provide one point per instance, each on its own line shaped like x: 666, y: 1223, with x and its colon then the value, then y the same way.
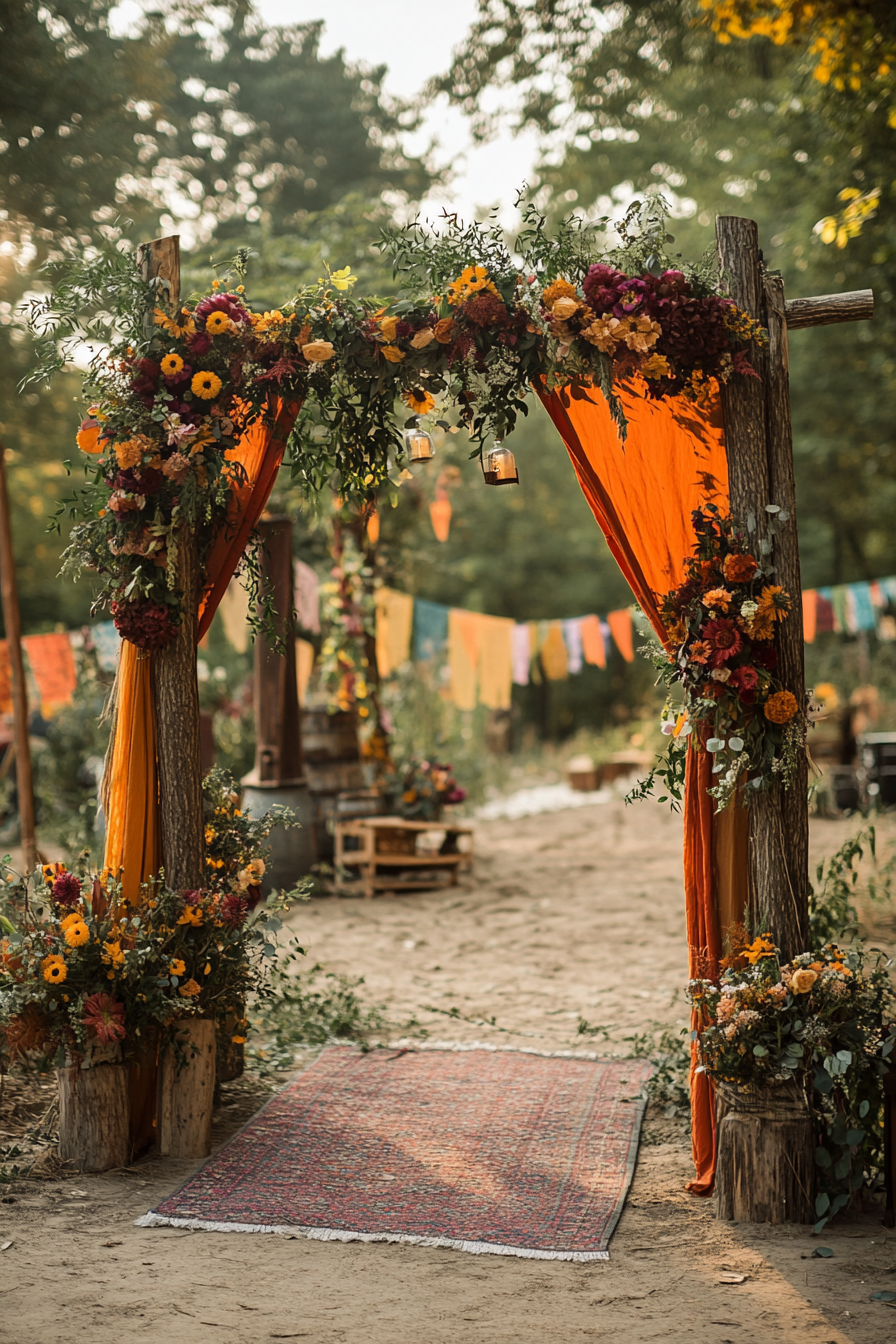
x: 230, y: 1054
x: 186, y: 1094
x: 94, y: 1116
x: 765, y: 1172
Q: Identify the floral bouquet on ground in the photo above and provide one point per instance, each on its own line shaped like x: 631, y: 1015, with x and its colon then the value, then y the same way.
x: 421, y: 790
x: 720, y: 626
x: 824, y: 1022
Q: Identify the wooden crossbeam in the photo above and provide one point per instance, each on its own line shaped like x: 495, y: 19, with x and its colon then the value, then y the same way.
x: 856, y: 305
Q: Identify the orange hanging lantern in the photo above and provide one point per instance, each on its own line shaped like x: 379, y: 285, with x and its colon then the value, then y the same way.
x: 440, y: 515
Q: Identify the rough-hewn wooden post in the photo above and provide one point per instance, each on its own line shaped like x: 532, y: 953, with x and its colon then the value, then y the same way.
x: 175, y: 686
x: 792, y: 913
x: 10, y: 597
x: 760, y: 472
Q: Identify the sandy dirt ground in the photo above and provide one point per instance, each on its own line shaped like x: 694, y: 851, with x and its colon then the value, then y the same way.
x: 568, y: 916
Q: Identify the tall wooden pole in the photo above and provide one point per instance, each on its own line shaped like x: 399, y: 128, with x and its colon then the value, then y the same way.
x: 760, y: 472
x: 175, y: 686
x: 10, y: 597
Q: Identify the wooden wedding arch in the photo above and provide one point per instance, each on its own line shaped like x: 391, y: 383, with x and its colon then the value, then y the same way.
x: 752, y: 859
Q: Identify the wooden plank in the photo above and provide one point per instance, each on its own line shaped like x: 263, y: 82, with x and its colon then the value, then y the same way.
x: 351, y: 860
x: 175, y: 686
x: 856, y: 305
x: 12, y: 623
x: 278, y: 733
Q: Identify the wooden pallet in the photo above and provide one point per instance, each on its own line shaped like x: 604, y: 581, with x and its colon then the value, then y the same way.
x: 380, y: 854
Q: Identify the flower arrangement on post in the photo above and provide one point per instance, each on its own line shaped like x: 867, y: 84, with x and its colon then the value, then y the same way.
x: 824, y: 1023
x: 720, y: 626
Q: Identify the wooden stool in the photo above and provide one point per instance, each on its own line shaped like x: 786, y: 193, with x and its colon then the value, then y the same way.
x: 385, y: 852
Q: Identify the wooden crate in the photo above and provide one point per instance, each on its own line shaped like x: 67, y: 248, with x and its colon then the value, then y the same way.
x: 376, y: 854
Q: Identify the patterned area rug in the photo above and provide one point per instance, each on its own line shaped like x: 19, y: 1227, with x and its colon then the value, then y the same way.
x: 486, y: 1151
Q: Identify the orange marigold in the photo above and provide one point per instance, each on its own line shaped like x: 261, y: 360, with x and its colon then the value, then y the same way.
x: 739, y: 568
x: 558, y: 289
x: 781, y: 707
x: 775, y: 602
x: 717, y: 597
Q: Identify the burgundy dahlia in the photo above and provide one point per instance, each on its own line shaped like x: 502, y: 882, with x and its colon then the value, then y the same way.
x: 221, y: 303
x: 66, y: 889
x: 486, y: 310
x: 146, y: 624
x: 602, y: 285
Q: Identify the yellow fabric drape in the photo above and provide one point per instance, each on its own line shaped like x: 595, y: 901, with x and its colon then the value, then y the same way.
x: 495, y: 661
x: 464, y: 630
x: 234, y: 610
x: 131, y: 798
x: 394, y: 619
x: 304, y: 667
x: 554, y: 657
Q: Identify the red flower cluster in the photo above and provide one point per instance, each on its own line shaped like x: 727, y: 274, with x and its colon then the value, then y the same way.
x: 146, y: 624
x: 66, y: 889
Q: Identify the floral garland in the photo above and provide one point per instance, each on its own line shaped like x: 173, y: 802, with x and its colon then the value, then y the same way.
x: 170, y: 396
x: 720, y: 625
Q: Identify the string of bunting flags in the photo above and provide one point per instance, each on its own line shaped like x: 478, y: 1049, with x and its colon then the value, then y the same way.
x: 487, y: 655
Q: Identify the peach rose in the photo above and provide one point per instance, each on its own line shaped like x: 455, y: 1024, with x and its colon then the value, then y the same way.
x: 318, y: 352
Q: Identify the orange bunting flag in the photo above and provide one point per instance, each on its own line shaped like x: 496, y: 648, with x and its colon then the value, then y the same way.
x: 554, y: 657
x: 620, y: 623
x: 464, y: 641
x: 440, y: 514
x: 53, y: 665
x: 810, y: 615
x: 593, y: 648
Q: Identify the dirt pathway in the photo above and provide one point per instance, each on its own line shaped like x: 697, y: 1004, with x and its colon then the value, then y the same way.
x: 572, y: 915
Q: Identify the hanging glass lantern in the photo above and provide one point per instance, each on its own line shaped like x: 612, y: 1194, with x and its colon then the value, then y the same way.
x: 500, y: 467
x: 419, y: 445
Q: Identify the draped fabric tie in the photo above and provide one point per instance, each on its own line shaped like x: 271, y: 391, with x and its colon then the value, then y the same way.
x: 131, y: 787
x: 642, y: 493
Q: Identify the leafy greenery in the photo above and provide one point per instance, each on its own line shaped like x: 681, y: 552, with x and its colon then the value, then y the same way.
x: 838, y: 882
x: 305, y: 1008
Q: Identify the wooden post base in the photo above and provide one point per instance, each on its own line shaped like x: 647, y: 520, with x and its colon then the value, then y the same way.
x: 94, y: 1116
x: 764, y: 1169
x: 186, y: 1095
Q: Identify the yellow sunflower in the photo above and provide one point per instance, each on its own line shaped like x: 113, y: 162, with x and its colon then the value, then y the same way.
x: 77, y: 934
x: 218, y: 323
x: 205, y: 385
x: 55, y: 970
x: 419, y: 401
x: 172, y: 364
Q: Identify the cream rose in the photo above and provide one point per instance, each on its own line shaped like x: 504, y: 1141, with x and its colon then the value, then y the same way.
x: 318, y: 352
x: 802, y: 981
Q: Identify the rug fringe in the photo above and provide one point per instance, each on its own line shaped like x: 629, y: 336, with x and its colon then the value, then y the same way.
x: 410, y: 1043
x: 335, y: 1234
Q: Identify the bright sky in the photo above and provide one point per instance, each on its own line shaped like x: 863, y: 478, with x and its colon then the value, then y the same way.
x: 415, y: 41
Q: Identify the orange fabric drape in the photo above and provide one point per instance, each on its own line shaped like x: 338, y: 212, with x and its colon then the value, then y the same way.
x: 642, y: 493
x: 131, y: 792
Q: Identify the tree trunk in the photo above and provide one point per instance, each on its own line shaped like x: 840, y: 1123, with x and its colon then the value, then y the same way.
x: 94, y: 1116
x: 12, y: 623
x: 186, y: 1095
x: 175, y: 688
x: 176, y: 694
x: 760, y: 472
x: 764, y: 1172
